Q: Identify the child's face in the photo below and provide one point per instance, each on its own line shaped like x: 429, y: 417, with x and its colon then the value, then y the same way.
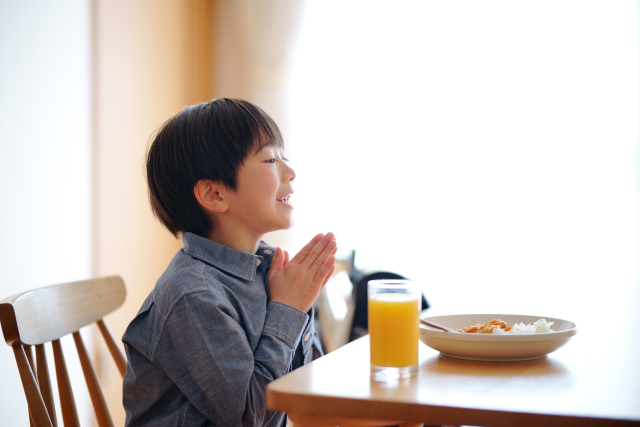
x: 260, y: 204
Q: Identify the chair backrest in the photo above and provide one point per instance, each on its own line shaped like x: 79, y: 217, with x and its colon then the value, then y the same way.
x: 35, y: 317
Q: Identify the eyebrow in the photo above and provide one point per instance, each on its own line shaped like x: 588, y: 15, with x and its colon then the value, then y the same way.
x: 266, y: 144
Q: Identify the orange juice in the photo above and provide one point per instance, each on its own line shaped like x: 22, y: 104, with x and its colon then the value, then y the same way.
x: 393, y: 329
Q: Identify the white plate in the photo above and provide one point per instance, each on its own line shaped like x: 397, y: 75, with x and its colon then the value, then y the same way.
x: 494, y: 347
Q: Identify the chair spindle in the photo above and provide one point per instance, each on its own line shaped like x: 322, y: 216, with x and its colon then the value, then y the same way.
x: 97, y: 398
x: 67, y: 402
x: 27, y: 351
x: 37, y: 408
x: 121, y: 362
x: 44, y: 382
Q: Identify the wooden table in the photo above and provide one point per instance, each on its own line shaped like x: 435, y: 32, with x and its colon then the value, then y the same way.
x: 592, y: 381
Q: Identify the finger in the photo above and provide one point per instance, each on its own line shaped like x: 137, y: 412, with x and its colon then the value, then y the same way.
x: 317, y: 255
x: 286, y: 258
x: 300, y: 256
x: 327, y: 252
x: 276, y: 263
x: 323, y: 272
x: 326, y: 279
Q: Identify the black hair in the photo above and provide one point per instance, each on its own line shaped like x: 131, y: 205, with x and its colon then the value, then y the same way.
x: 207, y: 141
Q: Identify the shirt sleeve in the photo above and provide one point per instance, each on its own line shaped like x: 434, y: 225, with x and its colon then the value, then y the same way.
x: 204, y: 350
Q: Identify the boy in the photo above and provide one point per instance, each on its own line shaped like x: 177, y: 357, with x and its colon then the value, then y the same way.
x: 230, y: 313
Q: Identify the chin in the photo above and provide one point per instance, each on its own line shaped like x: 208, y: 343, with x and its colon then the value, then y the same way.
x: 284, y: 225
x: 287, y: 225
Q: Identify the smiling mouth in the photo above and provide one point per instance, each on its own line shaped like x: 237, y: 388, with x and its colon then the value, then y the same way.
x: 285, y: 199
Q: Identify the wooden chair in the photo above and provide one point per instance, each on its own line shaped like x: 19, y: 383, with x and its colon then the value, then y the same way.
x: 43, y: 315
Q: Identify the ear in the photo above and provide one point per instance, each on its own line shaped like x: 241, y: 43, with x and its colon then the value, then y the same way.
x: 211, y: 195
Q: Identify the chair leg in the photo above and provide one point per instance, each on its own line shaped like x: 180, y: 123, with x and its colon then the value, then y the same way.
x: 37, y: 408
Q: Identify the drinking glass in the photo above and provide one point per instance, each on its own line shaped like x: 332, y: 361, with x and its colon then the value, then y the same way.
x: 394, y: 310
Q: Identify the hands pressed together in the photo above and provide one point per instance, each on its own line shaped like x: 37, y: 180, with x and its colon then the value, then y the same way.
x: 298, y: 282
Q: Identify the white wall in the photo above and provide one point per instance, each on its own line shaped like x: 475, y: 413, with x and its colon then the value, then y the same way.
x: 45, y: 168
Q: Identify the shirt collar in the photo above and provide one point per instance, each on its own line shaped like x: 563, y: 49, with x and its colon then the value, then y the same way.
x: 237, y: 263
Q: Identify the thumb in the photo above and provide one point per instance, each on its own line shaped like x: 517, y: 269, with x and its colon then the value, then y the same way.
x: 277, y: 263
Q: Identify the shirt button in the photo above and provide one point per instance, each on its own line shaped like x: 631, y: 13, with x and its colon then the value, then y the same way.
x: 259, y: 262
x: 267, y: 251
x: 307, y: 336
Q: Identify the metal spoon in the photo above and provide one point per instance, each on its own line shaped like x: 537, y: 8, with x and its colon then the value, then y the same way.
x: 435, y: 325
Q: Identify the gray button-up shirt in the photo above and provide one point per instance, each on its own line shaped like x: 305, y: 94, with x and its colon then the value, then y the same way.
x: 206, y: 341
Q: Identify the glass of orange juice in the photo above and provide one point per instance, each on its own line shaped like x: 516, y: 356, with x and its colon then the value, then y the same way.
x: 394, y: 310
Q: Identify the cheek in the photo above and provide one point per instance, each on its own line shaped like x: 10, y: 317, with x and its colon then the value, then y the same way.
x: 263, y: 192
x: 269, y: 185
x: 260, y: 187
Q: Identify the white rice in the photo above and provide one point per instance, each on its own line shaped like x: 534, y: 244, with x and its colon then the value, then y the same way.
x: 536, y: 327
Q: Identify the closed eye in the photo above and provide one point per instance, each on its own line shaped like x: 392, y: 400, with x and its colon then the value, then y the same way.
x: 273, y: 160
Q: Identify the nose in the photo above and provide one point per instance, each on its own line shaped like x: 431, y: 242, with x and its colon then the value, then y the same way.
x: 288, y: 173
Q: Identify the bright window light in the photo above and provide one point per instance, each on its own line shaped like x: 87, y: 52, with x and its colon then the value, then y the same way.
x: 471, y: 145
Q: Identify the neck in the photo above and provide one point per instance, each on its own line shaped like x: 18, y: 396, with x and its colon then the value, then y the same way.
x: 234, y: 238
